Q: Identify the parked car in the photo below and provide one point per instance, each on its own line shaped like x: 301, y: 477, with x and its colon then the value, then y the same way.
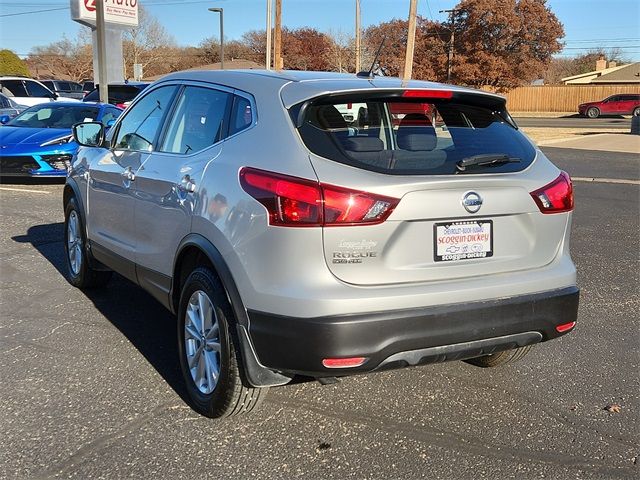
x: 65, y: 88
x: 10, y: 108
x: 87, y: 86
x: 120, y: 94
x: 39, y: 143
x: 624, y: 104
x: 26, y: 91
x: 291, y: 244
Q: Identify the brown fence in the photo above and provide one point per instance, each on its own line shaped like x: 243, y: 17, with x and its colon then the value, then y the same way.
x: 561, y: 98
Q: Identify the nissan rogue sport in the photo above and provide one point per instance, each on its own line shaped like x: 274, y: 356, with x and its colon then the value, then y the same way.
x: 294, y: 245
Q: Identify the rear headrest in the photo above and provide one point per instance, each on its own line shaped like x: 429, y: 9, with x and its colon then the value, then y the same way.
x: 364, y: 144
x: 330, y: 118
x: 415, y: 133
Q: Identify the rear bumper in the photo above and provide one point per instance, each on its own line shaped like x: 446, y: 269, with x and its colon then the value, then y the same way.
x: 409, y: 337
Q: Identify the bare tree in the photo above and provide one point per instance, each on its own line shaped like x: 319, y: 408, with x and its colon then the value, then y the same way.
x: 340, y: 53
x: 65, y: 58
x: 146, y: 44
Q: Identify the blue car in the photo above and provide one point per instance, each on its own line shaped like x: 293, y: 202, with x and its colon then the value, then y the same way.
x: 39, y: 143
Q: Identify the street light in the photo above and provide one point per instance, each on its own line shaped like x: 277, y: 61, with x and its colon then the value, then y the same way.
x: 220, y: 11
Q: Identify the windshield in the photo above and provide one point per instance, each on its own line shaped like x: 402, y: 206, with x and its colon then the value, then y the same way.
x: 414, y: 136
x: 54, y: 116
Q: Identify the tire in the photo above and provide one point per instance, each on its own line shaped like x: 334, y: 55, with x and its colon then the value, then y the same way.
x: 593, y: 112
x: 202, y: 351
x: 636, y: 112
x: 79, y: 271
x: 500, y: 358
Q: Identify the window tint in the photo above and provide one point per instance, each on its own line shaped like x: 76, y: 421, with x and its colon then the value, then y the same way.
x: 75, y: 86
x: 49, y: 84
x: 14, y: 88
x: 241, y: 116
x: 110, y: 114
x: 198, y: 120
x: 117, y: 94
x: 4, y: 102
x: 412, y: 137
x: 54, y: 115
x: 140, y: 126
x: 36, y: 90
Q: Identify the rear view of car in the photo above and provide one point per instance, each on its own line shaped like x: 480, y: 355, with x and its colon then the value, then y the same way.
x: 293, y: 240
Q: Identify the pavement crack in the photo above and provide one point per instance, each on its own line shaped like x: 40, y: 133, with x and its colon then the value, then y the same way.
x: 65, y: 467
x: 451, y: 440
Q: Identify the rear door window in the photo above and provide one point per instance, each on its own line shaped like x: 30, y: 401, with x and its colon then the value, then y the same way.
x: 414, y: 137
x: 14, y: 88
x: 198, y: 120
x: 36, y: 90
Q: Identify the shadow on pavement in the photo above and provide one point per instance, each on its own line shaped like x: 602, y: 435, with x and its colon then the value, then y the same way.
x: 136, y: 314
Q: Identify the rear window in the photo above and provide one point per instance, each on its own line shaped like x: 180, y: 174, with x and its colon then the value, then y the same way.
x: 413, y: 137
x: 117, y: 93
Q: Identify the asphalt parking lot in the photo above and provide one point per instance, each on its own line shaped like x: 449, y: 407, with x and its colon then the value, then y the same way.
x: 91, y: 386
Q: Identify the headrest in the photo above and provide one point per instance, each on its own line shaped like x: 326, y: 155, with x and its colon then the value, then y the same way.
x: 330, y: 118
x: 364, y: 144
x: 415, y: 133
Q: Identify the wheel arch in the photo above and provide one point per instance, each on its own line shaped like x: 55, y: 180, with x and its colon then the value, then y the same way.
x: 196, y: 250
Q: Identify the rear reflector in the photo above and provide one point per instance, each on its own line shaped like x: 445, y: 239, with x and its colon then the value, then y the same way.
x: 349, y: 362
x: 427, y: 94
x: 556, y: 197
x: 297, y: 202
x: 565, y: 327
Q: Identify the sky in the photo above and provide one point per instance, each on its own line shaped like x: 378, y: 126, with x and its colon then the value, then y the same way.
x: 588, y: 23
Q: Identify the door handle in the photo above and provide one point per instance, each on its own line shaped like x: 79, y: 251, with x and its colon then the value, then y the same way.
x: 128, y: 174
x: 187, y: 185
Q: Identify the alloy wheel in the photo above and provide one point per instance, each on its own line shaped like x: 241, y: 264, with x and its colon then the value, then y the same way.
x: 202, y: 342
x: 74, y: 243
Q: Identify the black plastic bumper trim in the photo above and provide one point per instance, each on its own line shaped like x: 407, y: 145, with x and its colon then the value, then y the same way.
x: 298, y: 345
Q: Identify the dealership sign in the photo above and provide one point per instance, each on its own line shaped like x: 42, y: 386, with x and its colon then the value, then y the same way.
x: 120, y: 12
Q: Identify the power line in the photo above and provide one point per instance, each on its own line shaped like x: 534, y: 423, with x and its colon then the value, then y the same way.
x: 33, y: 11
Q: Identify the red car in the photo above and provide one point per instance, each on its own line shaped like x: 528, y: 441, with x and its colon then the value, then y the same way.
x: 623, y: 104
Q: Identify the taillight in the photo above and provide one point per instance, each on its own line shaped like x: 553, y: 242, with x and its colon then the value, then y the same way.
x: 297, y: 202
x: 555, y: 197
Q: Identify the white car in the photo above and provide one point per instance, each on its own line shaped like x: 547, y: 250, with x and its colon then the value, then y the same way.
x: 27, y: 91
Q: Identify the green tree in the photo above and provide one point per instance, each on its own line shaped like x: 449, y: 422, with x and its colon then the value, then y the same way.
x: 11, y: 64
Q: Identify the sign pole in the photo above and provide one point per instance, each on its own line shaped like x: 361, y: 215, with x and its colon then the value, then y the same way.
x: 102, y: 53
x: 269, y: 33
x: 357, y: 36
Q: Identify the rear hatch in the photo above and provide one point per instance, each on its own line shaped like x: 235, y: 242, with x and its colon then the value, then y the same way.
x: 450, y: 180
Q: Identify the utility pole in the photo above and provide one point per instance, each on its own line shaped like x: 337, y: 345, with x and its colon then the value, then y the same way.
x: 357, y: 36
x: 102, y: 53
x: 269, y: 33
x: 277, y: 40
x: 452, y: 13
x: 411, y: 40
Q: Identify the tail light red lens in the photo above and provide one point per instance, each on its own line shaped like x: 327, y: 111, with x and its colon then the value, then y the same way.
x: 556, y: 197
x: 350, y: 362
x: 297, y: 202
x: 427, y: 94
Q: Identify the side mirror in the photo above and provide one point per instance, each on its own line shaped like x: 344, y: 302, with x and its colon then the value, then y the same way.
x: 4, y: 119
x: 89, y: 134
x: 110, y: 123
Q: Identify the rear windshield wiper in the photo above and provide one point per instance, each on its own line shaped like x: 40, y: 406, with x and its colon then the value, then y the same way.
x: 485, y: 160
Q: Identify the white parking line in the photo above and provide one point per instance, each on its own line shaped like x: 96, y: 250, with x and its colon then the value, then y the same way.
x: 605, y: 180
x: 8, y: 189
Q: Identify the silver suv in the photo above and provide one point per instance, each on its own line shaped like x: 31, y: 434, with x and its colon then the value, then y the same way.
x: 292, y: 243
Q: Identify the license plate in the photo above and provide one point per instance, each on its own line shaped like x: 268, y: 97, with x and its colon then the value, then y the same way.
x: 463, y: 240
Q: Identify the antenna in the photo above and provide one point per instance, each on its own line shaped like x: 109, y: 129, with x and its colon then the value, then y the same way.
x: 370, y: 73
